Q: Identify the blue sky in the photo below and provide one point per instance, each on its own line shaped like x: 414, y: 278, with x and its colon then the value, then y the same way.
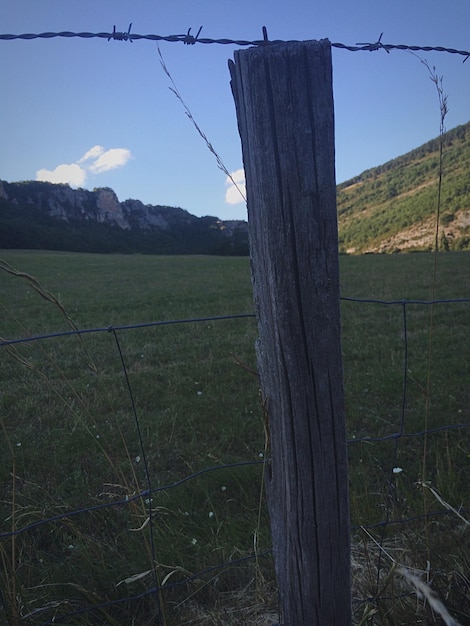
x: 99, y: 113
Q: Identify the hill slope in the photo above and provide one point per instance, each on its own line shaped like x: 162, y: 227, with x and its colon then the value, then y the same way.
x: 392, y: 208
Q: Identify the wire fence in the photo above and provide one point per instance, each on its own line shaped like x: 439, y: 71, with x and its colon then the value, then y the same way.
x: 189, y: 39
x: 158, y: 589
x: 61, y: 612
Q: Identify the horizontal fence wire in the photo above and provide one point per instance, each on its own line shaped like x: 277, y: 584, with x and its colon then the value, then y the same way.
x: 156, y: 589
x: 215, y: 318
x: 145, y: 494
x: 190, y: 39
x: 110, y: 329
x: 128, y: 500
x: 165, y: 587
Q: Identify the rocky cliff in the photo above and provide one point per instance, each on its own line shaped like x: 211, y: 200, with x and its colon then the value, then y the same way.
x: 66, y: 209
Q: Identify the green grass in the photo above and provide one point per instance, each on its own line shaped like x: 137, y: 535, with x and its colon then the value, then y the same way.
x: 69, y: 437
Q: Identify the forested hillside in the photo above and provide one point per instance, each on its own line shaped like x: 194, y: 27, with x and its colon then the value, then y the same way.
x: 392, y: 208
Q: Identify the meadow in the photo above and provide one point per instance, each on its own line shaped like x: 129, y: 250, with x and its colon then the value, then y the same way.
x: 89, y: 419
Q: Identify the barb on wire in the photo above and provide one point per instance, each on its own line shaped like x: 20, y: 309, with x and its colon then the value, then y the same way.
x: 371, y: 47
x: 265, y: 35
x: 121, y: 36
x: 189, y: 39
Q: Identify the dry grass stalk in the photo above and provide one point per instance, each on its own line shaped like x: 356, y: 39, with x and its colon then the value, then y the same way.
x: 441, y: 500
x: 220, y: 163
x: 423, y: 591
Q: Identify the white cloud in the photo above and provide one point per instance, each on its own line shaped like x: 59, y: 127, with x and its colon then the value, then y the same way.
x: 92, y: 153
x: 95, y: 161
x: 110, y: 160
x: 233, y: 194
x: 72, y: 174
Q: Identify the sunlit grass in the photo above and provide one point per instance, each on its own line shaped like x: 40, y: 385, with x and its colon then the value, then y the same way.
x: 70, y: 440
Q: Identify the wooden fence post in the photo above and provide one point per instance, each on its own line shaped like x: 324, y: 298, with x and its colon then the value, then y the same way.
x: 284, y: 102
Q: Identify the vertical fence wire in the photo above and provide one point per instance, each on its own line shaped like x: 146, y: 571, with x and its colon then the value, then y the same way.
x: 396, y: 442
x: 157, y: 589
x: 147, y: 475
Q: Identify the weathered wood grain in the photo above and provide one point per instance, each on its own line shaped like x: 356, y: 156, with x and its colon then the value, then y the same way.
x: 284, y: 103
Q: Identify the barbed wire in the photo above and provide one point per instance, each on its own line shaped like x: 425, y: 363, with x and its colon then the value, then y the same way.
x: 379, y: 526
x: 189, y: 39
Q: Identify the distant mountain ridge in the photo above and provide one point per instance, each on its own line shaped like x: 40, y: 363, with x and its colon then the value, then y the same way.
x: 392, y: 208
x: 49, y: 216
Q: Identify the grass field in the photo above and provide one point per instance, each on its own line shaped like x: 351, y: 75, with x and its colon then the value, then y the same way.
x: 70, y: 441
